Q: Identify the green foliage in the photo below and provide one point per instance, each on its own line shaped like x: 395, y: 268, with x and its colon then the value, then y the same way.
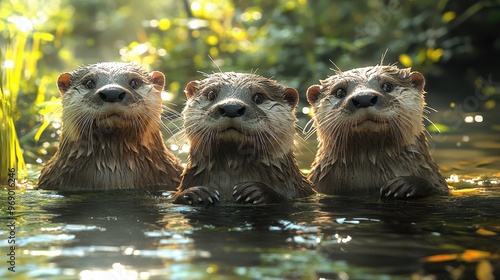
x: 11, y: 151
x: 22, y: 37
x: 12, y: 157
x: 296, y: 41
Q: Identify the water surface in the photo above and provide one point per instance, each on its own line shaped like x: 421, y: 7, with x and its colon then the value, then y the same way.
x: 127, y: 235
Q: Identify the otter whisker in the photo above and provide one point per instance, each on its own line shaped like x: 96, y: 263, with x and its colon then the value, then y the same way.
x: 111, y: 143
x: 433, y: 124
x: 384, y: 139
x: 251, y: 139
x: 431, y: 109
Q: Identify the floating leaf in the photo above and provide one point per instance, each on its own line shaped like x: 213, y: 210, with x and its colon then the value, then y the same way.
x: 484, y: 270
x: 490, y: 104
x: 474, y: 255
x: 467, y: 255
x: 485, y: 232
x: 440, y: 258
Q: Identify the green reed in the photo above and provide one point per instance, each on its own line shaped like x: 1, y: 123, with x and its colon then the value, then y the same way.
x: 19, y: 55
x: 11, y: 59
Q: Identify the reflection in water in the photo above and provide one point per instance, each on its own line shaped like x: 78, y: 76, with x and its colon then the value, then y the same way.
x: 137, y: 236
x: 126, y: 235
x: 103, y: 231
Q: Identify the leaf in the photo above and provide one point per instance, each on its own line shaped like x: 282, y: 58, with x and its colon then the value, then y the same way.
x: 490, y: 104
x: 449, y: 16
x: 484, y: 270
x: 44, y: 125
x: 405, y: 60
x: 44, y: 36
x: 467, y: 255
x: 440, y: 258
x: 438, y: 127
x: 474, y: 255
x: 434, y: 54
x: 485, y: 232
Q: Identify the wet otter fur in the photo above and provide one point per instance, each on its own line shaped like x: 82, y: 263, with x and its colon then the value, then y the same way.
x: 241, y: 130
x: 371, y: 136
x: 111, y: 136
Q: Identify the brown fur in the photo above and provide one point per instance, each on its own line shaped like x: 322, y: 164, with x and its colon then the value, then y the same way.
x: 378, y: 147
x: 109, y: 145
x: 253, y: 151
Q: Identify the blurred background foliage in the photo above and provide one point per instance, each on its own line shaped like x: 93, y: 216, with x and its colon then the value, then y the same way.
x: 455, y: 44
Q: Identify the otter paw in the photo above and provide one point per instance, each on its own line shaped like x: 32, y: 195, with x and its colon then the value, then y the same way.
x: 199, y: 195
x: 255, y: 193
x: 407, y: 187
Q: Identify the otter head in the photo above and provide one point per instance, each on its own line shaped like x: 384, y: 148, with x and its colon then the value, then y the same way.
x: 239, y: 110
x: 380, y: 104
x: 110, y: 98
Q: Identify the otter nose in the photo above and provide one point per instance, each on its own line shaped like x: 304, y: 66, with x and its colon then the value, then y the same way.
x: 232, y: 110
x: 112, y: 95
x: 364, y: 100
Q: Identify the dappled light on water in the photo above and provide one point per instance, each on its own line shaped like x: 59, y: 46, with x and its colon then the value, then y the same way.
x: 127, y: 235
x: 137, y: 236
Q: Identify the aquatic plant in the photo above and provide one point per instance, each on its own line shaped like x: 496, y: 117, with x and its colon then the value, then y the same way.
x: 10, y: 77
x: 19, y: 54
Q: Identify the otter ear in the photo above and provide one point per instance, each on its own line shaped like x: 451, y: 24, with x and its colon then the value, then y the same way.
x: 313, y: 93
x: 417, y: 80
x: 158, y: 79
x: 291, y: 96
x: 191, y: 89
x: 64, y: 82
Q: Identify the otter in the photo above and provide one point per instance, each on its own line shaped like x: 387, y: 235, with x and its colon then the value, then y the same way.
x: 241, y: 130
x: 111, y: 136
x: 371, y: 138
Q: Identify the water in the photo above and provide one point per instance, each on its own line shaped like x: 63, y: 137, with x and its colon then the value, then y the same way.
x: 127, y: 235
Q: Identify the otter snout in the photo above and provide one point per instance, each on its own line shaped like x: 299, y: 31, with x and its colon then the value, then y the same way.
x: 364, y: 100
x: 112, y: 94
x: 231, y: 109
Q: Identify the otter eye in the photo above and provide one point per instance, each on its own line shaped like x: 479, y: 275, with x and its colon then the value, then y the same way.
x: 386, y: 87
x: 134, y: 83
x: 258, y: 98
x: 211, y: 95
x: 90, y: 84
x: 340, y: 93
